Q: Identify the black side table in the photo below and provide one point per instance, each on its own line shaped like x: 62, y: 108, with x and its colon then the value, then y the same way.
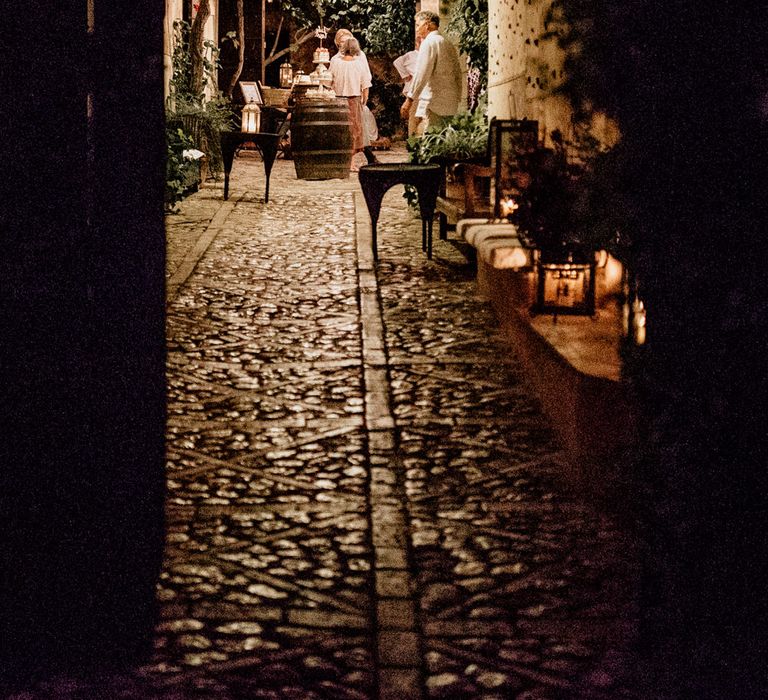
x: 377, y: 178
x: 267, y: 144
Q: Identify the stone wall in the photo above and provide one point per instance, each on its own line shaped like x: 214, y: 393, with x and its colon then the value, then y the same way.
x: 523, y: 70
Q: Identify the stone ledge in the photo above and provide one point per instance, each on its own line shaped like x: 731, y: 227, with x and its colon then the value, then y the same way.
x: 573, y: 366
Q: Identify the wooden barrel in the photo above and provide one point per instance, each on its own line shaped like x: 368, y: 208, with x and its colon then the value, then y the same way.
x: 321, y: 141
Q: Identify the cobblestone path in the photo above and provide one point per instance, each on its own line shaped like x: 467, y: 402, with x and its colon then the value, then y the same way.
x: 520, y: 591
x: 363, y: 496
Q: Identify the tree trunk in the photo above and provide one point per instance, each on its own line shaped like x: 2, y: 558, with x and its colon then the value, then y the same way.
x: 299, y: 39
x: 196, y: 46
x: 240, y: 48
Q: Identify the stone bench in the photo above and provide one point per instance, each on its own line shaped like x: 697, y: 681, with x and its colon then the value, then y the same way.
x: 573, y: 365
x: 497, y: 247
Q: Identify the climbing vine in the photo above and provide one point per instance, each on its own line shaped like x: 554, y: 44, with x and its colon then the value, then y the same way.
x: 196, y: 112
x: 596, y: 70
x: 468, y: 20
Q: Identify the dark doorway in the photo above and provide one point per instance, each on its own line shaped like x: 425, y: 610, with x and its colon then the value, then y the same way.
x: 82, y: 316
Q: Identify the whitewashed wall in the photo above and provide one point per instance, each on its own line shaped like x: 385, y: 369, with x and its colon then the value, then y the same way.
x: 508, y: 28
x: 522, y: 70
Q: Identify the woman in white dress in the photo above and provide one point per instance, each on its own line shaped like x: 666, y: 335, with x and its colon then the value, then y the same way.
x: 339, y: 38
x: 350, y: 81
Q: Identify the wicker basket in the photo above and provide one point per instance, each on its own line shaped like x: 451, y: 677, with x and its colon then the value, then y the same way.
x: 275, y: 97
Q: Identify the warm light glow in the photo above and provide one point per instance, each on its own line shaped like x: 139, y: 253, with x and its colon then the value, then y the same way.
x: 613, y: 273
x: 508, y: 206
x: 638, y: 321
x: 511, y: 258
x: 251, y: 118
x: 601, y: 258
x: 286, y: 75
x: 625, y: 319
x: 565, y: 285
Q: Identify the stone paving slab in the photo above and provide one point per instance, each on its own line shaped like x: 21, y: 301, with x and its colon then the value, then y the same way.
x: 364, y: 499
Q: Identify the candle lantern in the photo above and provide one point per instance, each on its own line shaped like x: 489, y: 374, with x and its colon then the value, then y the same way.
x: 508, y: 205
x: 633, y: 311
x: 251, y: 118
x: 286, y: 75
x: 565, y: 283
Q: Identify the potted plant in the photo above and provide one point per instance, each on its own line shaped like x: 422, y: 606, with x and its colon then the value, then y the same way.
x: 464, y: 137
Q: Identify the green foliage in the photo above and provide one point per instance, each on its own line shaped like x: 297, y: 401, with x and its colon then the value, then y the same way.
x: 597, y: 71
x: 598, y: 76
x: 385, y: 101
x: 201, y: 118
x: 561, y: 203
x: 178, y: 170
x: 390, y: 30
x: 385, y: 28
x: 469, y: 22
x: 181, y: 83
x: 463, y: 137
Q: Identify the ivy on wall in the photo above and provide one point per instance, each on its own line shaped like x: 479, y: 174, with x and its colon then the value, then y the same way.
x: 468, y: 20
x: 595, y: 70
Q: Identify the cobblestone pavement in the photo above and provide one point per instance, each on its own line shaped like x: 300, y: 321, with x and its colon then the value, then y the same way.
x: 363, y: 496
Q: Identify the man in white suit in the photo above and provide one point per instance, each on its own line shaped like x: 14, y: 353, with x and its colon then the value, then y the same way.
x: 437, y: 80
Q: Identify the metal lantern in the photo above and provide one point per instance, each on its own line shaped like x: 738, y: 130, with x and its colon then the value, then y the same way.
x: 251, y: 118
x: 566, y: 284
x: 286, y: 75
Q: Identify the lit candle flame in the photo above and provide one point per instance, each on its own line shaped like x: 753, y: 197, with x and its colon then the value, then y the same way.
x: 508, y: 206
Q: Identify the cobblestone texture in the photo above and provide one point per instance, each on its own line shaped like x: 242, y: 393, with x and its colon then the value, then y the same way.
x: 521, y: 591
x: 345, y: 522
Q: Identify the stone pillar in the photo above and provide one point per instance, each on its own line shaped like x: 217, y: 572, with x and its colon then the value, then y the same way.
x: 82, y: 326
x: 507, y: 32
x: 522, y: 68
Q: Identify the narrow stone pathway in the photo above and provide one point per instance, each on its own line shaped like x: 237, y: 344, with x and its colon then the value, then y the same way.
x: 363, y: 497
x: 267, y: 586
x: 520, y: 591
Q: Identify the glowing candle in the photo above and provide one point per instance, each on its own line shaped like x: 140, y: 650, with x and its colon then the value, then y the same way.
x: 639, y: 321
x: 508, y: 206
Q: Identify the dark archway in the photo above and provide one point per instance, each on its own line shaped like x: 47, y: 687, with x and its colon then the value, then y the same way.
x: 82, y: 314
